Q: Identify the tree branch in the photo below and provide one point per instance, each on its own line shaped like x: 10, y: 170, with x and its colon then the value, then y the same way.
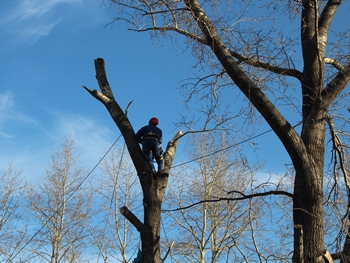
x: 260, y: 64
x: 132, y: 218
x: 127, y: 108
x: 98, y: 95
x: 334, y: 63
x: 336, y: 85
x: 327, y: 15
x: 285, y: 132
x: 327, y: 256
x: 298, y: 256
x: 243, y: 197
x: 167, y: 253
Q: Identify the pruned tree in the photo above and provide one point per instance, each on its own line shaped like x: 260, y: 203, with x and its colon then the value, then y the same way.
x: 60, y: 209
x: 153, y: 188
x: 239, y: 52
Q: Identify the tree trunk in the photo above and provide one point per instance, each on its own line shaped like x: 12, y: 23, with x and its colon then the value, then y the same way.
x: 308, y: 188
x: 150, y: 235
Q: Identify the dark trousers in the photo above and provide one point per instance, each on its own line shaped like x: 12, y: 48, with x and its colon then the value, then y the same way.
x: 153, y: 150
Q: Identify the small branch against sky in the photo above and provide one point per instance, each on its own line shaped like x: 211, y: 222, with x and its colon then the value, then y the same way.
x: 243, y: 197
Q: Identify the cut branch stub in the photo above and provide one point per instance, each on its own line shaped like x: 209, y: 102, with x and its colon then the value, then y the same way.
x: 170, y: 152
x: 131, y: 217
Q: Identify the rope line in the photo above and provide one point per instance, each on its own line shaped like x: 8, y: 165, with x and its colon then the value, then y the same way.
x: 221, y: 150
x: 229, y: 147
x: 112, y: 198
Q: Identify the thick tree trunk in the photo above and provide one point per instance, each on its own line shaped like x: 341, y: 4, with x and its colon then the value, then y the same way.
x: 308, y: 187
x: 150, y: 236
x: 308, y: 212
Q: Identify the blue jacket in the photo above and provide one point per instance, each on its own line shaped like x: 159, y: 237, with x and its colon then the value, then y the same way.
x: 150, y: 131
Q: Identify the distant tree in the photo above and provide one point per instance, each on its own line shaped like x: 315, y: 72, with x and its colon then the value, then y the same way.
x: 115, y: 236
x: 12, y: 223
x: 212, y: 231
x: 60, y: 207
x: 252, y: 46
x: 153, y: 185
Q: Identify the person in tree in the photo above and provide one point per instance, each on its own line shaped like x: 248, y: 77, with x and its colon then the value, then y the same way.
x: 150, y: 136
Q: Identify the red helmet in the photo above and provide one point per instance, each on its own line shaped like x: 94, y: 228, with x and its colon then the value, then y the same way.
x: 154, y: 121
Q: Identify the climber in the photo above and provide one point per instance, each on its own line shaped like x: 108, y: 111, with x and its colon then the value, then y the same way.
x: 150, y: 136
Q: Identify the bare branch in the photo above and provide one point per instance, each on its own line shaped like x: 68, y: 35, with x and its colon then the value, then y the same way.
x: 260, y: 64
x: 168, y: 251
x: 334, y: 63
x: 327, y: 256
x: 243, y: 197
x: 127, y: 108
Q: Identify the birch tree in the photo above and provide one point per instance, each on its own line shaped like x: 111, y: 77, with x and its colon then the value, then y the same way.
x: 212, y: 231
x: 60, y: 206
x: 13, y: 226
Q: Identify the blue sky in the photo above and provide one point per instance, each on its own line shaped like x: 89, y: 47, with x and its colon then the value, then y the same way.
x: 47, y: 53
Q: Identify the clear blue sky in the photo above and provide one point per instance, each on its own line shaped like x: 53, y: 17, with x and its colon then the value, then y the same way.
x: 47, y: 53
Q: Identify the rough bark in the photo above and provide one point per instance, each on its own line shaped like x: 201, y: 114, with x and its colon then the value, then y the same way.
x: 153, y: 187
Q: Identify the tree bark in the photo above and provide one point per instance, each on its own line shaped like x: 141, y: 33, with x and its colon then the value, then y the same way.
x: 298, y: 256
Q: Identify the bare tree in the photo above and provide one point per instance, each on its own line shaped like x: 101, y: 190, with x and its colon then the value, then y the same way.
x: 60, y: 206
x: 13, y: 227
x: 212, y: 231
x: 258, y: 60
x: 115, y: 236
